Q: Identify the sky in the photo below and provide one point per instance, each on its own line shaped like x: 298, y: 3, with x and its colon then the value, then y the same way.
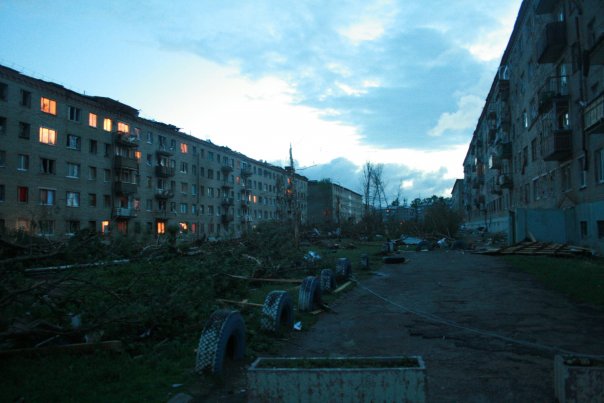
x: 399, y: 83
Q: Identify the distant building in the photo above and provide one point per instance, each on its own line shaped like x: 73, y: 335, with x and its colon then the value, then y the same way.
x: 457, y: 199
x: 329, y: 203
x: 536, y: 160
x: 70, y: 161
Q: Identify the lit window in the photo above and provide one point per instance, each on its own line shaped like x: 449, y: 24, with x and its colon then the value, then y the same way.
x: 161, y: 227
x: 48, y: 105
x: 184, y: 227
x: 73, y: 199
x: 47, y: 197
x: 138, y: 155
x: 48, y: 136
x: 107, y: 125
x: 105, y: 227
x: 92, y: 118
x: 123, y: 127
x: 184, y: 148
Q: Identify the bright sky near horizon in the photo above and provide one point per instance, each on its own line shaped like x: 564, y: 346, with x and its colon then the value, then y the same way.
x: 395, y: 82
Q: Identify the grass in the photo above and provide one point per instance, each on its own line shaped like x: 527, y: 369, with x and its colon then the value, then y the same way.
x: 149, y: 368
x: 582, y: 279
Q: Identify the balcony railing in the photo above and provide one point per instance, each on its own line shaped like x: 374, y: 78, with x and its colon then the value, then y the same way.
x: 125, y: 139
x: 593, y: 115
x: 555, y: 90
x: 125, y: 212
x: 226, y: 169
x: 557, y: 145
x: 163, y: 171
x: 246, y: 172
x: 126, y: 163
x: 164, y: 193
x: 505, y: 181
x: 226, y: 218
x: 164, y: 150
x: 504, y: 150
x: 125, y: 188
x: 596, y: 53
x: 552, y: 42
x: 227, y: 201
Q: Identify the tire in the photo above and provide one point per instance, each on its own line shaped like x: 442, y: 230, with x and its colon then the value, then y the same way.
x: 222, y: 335
x: 277, y: 312
x: 343, y: 269
x: 394, y: 259
x: 328, y: 280
x: 309, y: 297
x: 364, y: 261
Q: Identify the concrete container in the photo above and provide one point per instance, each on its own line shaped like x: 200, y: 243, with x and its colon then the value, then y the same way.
x: 339, y: 379
x: 578, y: 379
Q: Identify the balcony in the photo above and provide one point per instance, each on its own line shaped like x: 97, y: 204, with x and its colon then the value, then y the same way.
x: 227, y: 201
x: 164, y: 151
x: 164, y: 194
x: 226, y: 169
x: 226, y: 218
x: 246, y: 218
x: 552, y: 43
x: 557, y: 145
x: 505, y: 181
x: 503, y: 89
x: 245, y: 203
x: 164, y: 172
x: 593, y: 115
x: 494, y: 162
x: 553, y: 92
x: 504, y: 150
x: 125, y: 188
x: 226, y: 186
x: 545, y: 6
x: 125, y: 212
x: 246, y: 172
x: 125, y: 139
x: 126, y: 163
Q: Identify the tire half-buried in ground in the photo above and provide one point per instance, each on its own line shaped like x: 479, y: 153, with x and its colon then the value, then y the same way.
x: 310, y: 294
x: 222, y: 337
x: 277, y: 312
x: 394, y: 259
x: 328, y: 280
x: 343, y: 268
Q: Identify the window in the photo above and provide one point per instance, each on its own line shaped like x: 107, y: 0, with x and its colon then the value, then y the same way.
x: 92, y: 173
x: 105, y: 227
x: 193, y: 209
x: 210, y: 156
x: 73, y: 113
x: 149, y: 159
x: 183, y: 208
x: 172, y: 144
x: 106, y: 201
x: 48, y: 166
x: 106, y: 175
x: 2, y: 193
x: 92, y: 120
x: 582, y: 172
x: 24, y: 130
x: 184, y: 148
x: 48, y: 136
x: 2, y: 125
x: 72, y: 226
x: 48, y: 105
x: 47, y: 197
x: 93, y: 147
x: 25, y: 99
x: 149, y: 182
x: 583, y: 226
x: 162, y: 141
x: 2, y: 158
x: 107, y: 150
x: 92, y: 225
x: 184, y: 227
x: 161, y: 227
x: 183, y: 187
x: 73, y: 142
x: 73, y: 170
x: 3, y: 91
x: 599, y: 161
x: 184, y: 167
x: 22, y: 194
x: 600, y: 225
x: 137, y: 133
x: 107, y: 125
x: 193, y: 190
x: 47, y: 227
x: 149, y: 137
x: 92, y: 199
x: 210, y: 174
x: 73, y: 199
x: 123, y: 127
x: 566, y: 177
x: 22, y: 162
x: 172, y: 207
x: 149, y: 204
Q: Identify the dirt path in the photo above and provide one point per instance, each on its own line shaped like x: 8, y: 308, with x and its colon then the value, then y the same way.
x: 474, y: 291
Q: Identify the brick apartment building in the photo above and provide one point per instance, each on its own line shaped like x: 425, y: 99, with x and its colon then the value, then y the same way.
x: 330, y: 203
x: 70, y: 161
x: 536, y: 160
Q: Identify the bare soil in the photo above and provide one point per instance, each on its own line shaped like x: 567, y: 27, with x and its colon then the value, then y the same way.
x: 474, y: 292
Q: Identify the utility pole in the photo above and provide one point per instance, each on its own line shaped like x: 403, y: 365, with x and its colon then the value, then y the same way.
x: 291, y: 197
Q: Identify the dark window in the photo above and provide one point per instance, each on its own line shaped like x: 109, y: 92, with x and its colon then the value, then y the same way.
x: 22, y: 194
x: 2, y: 125
x: 2, y: 193
x: 106, y: 201
x: 25, y: 99
x: 583, y: 225
x: 107, y: 150
x: 600, y: 229
x: 92, y: 199
x: 73, y: 142
x: 3, y: 91
x: 48, y: 166
x: 93, y: 147
x: 73, y: 113
x: 24, y: 130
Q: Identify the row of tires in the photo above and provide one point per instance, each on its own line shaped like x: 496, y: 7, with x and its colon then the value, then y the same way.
x: 223, y: 335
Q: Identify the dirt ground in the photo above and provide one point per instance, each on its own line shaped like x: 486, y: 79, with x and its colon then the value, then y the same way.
x: 474, y: 291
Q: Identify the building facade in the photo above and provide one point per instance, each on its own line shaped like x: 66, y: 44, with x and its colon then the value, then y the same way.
x: 330, y: 203
x: 70, y: 161
x: 535, y: 163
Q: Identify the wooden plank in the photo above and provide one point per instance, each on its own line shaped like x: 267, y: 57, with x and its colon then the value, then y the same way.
x: 342, y: 287
x: 243, y: 303
x: 79, y: 348
x: 268, y: 280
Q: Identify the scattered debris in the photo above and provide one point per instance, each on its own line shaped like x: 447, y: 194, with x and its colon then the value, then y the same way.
x: 298, y: 325
x: 539, y: 248
x: 342, y: 287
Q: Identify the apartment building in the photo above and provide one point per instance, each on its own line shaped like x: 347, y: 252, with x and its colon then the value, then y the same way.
x: 70, y: 161
x: 535, y: 164
x: 330, y: 203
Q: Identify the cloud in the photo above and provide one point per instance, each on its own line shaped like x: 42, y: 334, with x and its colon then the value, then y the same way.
x: 469, y: 108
